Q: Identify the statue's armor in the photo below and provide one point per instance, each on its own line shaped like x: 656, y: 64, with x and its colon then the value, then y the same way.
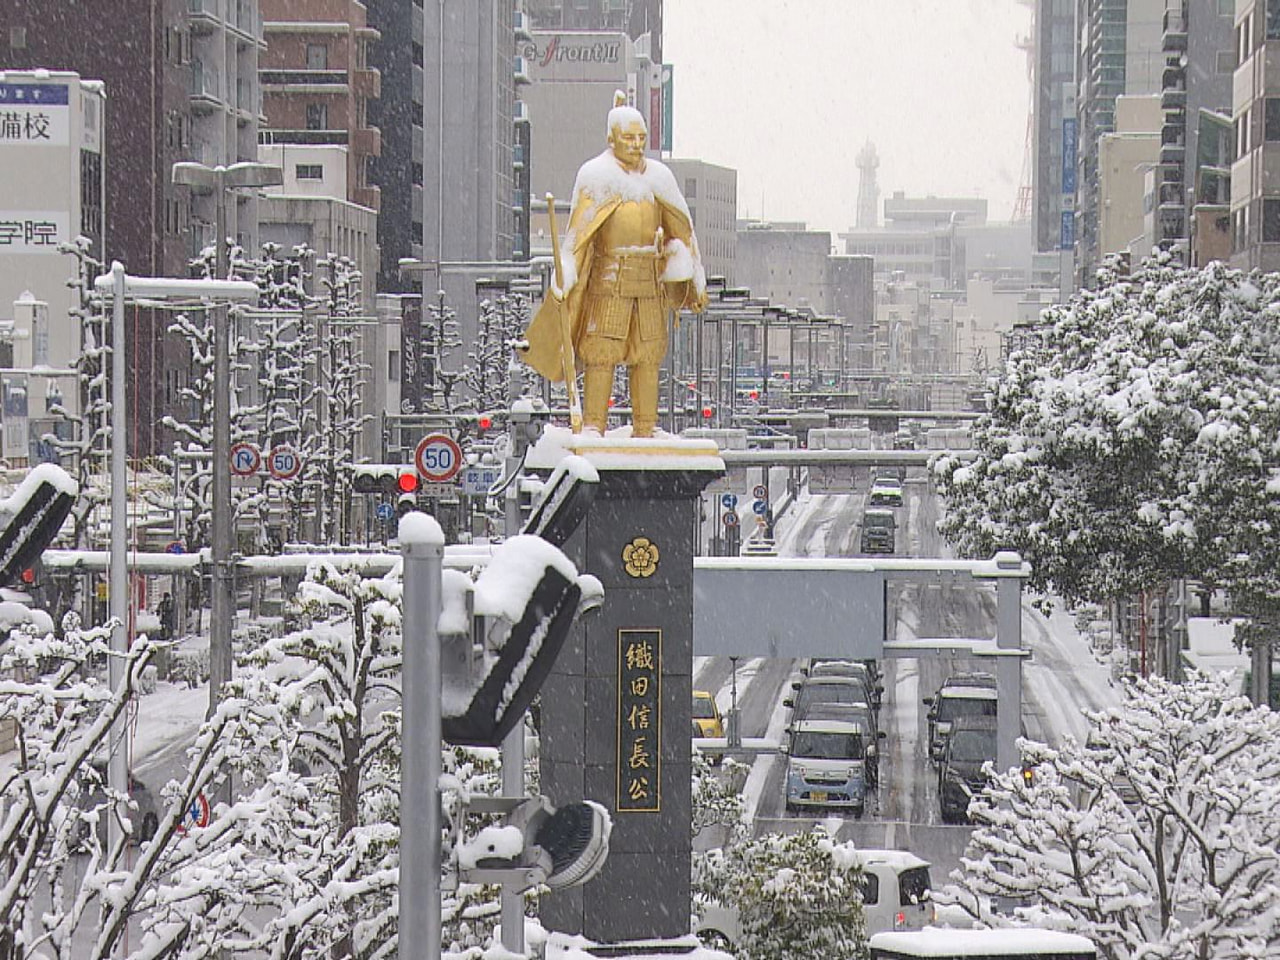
x: 624, y: 295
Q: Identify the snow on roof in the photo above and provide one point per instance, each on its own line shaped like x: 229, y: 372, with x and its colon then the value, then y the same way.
x: 566, y: 946
x: 826, y: 725
x: 13, y: 614
x: 968, y: 693
x: 898, y: 859
x: 948, y: 942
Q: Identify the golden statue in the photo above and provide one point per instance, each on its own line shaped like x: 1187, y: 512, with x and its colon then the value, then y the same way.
x: 629, y: 255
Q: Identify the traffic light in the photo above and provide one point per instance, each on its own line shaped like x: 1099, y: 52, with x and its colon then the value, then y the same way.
x: 708, y: 412
x: 406, y: 504
x: 559, y: 847
x: 384, y: 478
x: 485, y: 422
x: 31, y: 517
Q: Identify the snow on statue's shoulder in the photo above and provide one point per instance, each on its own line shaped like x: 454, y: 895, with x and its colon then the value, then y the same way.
x: 419, y: 528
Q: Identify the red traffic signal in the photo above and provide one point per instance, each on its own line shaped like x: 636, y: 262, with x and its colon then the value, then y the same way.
x: 708, y: 412
x: 754, y: 394
x: 407, y: 482
x: 486, y: 422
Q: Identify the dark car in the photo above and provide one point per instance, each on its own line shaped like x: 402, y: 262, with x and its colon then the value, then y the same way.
x: 825, y: 690
x: 972, y: 744
x: 879, y: 530
x: 962, y: 695
x: 852, y: 670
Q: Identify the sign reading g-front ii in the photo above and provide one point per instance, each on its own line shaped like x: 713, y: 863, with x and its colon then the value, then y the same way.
x: 639, y: 720
x: 579, y: 55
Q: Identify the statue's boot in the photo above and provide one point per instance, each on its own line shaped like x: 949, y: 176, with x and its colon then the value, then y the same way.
x: 644, y: 400
x: 597, y: 387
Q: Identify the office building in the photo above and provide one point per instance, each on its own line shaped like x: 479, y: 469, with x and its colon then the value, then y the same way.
x: 712, y: 194
x: 784, y: 262
x: 1199, y: 62
x: 52, y: 155
x: 1255, y: 200
x: 1053, y: 144
x: 1119, y: 52
x: 317, y: 84
x: 1126, y: 155
x: 635, y: 18
x: 181, y: 84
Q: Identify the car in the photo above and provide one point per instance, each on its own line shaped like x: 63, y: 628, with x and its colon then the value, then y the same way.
x: 860, y: 714
x: 971, y: 744
x: 826, y: 766
x: 824, y: 690
x: 93, y: 797
x: 885, y: 492
x: 962, y: 695
x: 879, y: 530
x: 849, y: 668
x: 706, y: 715
x: 895, y: 896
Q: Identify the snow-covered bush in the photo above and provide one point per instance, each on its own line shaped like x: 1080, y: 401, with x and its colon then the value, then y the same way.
x: 797, y: 895
x: 1157, y: 837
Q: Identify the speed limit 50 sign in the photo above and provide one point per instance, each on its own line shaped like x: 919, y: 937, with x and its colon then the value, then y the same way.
x: 438, y: 458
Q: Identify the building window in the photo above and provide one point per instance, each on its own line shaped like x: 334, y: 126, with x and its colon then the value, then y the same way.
x: 1273, y: 19
x: 1271, y: 126
x: 18, y: 38
x: 317, y: 56
x: 1226, y: 8
x: 690, y: 188
x: 417, y: 54
x: 317, y: 116
x: 308, y: 171
x: 1226, y: 61
x: 393, y: 366
x: 1271, y: 221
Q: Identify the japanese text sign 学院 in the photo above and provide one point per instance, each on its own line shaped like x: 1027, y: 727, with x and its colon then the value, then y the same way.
x: 639, y: 721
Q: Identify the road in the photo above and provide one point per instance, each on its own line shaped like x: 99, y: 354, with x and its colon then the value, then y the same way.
x: 904, y: 813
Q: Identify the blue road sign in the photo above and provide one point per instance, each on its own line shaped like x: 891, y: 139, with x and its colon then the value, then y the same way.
x: 175, y: 547
x: 729, y: 500
x: 759, y: 508
x: 385, y: 512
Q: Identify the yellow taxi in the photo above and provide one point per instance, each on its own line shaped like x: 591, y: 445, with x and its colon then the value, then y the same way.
x: 706, y: 715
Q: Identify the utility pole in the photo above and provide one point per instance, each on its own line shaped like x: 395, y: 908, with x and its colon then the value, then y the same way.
x: 221, y: 180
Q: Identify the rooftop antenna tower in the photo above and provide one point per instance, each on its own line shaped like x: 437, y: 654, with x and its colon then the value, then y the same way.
x: 868, y: 190
x: 1027, y: 44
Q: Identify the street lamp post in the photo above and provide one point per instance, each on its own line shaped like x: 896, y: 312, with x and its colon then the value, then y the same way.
x: 221, y: 180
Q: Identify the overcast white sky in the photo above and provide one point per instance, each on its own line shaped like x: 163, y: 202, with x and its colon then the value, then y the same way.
x: 787, y: 91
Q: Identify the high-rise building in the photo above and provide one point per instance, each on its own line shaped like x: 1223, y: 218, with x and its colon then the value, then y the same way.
x: 635, y: 18
x: 1255, y: 201
x: 1053, y: 105
x: 397, y: 168
x: 181, y: 82
x: 1199, y: 61
x: 1119, y: 53
x: 317, y: 84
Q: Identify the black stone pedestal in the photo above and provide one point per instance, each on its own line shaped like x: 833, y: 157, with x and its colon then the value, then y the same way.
x: 617, y: 708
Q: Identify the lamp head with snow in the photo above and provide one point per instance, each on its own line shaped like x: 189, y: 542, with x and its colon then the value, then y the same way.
x: 32, y: 516
x: 529, y: 595
x: 539, y: 845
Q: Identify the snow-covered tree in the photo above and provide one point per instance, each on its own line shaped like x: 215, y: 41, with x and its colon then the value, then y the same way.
x: 1133, y: 438
x: 1157, y: 837
x: 797, y: 895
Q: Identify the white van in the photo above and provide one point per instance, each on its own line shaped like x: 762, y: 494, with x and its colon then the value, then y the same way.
x: 895, y: 896
x: 826, y: 765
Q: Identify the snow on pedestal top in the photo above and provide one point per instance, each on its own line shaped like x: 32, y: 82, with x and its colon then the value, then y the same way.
x: 420, y: 529
x: 618, y: 450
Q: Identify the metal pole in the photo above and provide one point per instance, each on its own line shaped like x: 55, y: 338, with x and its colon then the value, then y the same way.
x: 1009, y: 666
x: 421, y: 697
x: 118, y: 745
x: 513, y: 745
x: 223, y: 611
